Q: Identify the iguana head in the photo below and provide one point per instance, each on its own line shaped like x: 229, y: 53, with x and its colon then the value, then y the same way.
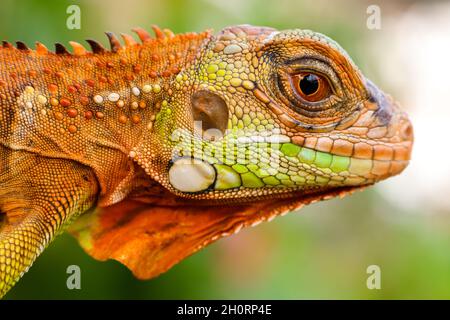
x: 265, y: 121
x: 264, y: 113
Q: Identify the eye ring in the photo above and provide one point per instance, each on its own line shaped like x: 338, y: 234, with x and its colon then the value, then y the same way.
x: 310, y: 86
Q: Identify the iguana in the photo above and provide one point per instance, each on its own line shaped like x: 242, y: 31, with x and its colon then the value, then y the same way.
x: 161, y: 147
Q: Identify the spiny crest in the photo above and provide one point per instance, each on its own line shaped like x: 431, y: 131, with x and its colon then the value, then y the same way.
x: 113, y: 41
x: 7, y: 45
x: 97, y: 48
x: 60, y: 49
x: 22, y: 46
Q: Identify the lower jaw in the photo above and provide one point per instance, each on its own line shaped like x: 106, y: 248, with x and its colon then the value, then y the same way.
x: 199, y: 178
x: 300, y: 196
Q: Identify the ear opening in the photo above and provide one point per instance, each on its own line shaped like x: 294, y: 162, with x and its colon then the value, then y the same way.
x: 210, y: 114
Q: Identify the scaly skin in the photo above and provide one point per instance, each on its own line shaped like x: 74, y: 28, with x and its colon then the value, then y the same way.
x: 117, y: 135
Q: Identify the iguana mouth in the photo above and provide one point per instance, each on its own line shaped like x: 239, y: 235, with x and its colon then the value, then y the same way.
x: 194, y: 177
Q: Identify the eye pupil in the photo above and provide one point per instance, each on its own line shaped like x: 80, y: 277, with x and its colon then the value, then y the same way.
x: 310, y: 87
x: 309, y: 84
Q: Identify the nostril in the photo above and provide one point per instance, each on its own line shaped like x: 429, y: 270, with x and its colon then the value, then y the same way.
x: 373, y: 92
x: 210, y: 113
x: 372, y: 98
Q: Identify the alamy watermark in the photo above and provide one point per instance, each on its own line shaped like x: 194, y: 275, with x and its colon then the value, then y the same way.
x: 373, y: 21
x: 240, y: 146
x: 74, y: 19
x: 374, y: 279
x: 73, y: 281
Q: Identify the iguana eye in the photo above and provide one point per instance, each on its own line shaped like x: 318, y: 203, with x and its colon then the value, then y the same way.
x: 310, y: 86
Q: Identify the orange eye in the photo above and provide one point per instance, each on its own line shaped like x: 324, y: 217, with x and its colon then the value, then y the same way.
x: 311, y: 87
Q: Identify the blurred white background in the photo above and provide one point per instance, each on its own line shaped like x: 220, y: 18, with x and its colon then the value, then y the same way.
x: 413, y: 59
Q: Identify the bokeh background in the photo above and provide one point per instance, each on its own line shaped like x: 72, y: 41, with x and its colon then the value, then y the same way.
x: 401, y: 225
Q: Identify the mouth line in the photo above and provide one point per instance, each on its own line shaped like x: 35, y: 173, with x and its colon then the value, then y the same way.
x: 396, y: 151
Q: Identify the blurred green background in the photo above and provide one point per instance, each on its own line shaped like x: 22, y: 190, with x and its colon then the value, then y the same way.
x: 401, y: 225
